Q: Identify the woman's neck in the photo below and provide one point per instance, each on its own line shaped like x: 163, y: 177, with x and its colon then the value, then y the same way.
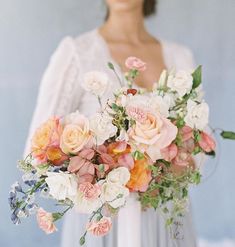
x: 125, y: 27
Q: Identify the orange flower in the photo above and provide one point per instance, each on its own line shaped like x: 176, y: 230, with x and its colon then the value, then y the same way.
x: 140, y: 176
x: 56, y: 156
x: 48, y: 134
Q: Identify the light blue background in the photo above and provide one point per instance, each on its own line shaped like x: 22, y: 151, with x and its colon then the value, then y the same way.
x: 29, y: 32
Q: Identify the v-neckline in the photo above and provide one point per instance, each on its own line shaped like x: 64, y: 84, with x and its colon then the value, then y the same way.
x: 116, y: 64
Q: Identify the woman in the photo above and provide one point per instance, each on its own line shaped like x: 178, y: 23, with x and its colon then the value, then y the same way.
x: 123, y: 34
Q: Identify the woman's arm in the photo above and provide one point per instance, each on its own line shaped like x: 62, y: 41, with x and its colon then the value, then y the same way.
x: 57, y: 89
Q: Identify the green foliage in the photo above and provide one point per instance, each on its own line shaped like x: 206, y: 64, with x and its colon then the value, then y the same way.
x: 82, y: 240
x: 197, y: 77
x: 228, y: 135
x: 137, y: 155
x: 166, y: 163
x: 110, y: 65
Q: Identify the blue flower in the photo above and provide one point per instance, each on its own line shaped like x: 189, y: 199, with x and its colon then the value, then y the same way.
x: 14, y: 218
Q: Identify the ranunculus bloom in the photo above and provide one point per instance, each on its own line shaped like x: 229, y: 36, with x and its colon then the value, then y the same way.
x: 155, y: 133
x: 48, y: 134
x: 135, y: 63
x: 140, y: 176
x: 207, y: 143
x: 89, y: 190
x: 82, y: 166
x: 56, y: 156
x: 76, y: 134
x: 101, y: 227
x: 45, y: 221
x: 183, y: 158
x: 186, y: 133
x: 170, y: 152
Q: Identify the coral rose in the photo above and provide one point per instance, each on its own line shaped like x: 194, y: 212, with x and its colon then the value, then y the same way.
x: 76, y: 134
x: 45, y: 221
x: 153, y: 134
x: 140, y: 176
x: 101, y: 227
x: 48, y: 134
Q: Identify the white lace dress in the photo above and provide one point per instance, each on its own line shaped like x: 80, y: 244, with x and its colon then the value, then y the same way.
x: 61, y: 93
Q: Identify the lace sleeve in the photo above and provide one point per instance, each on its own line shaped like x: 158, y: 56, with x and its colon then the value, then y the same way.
x: 56, y: 91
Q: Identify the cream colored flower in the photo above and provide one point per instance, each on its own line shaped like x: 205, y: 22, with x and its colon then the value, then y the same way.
x: 95, y: 82
x: 119, y: 175
x: 76, y: 133
x: 197, y: 115
x: 180, y: 82
x: 62, y: 185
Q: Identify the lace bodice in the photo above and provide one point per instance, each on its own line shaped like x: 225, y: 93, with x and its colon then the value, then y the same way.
x: 60, y: 92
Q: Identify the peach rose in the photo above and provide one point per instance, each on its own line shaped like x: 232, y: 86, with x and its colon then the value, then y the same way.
x: 45, y: 221
x: 101, y: 227
x: 48, y: 134
x: 207, y: 143
x: 140, y: 176
x: 135, y: 63
x: 76, y: 134
x: 153, y: 134
x: 90, y: 191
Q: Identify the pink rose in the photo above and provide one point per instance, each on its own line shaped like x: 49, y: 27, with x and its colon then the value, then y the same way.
x: 155, y: 133
x: 207, y: 143
x: 82, y: 166
x: 45, y: 221
x: 183, y: 158
x: 101, y: 227
x: 170, y: 152
x: 135, y: 63
x: 90, y: 191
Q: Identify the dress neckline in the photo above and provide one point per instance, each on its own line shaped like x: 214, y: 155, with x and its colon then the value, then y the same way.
x: 115, y: 63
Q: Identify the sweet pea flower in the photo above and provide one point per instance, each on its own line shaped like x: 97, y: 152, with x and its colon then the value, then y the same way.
x: 170, y: 152
x: 207, y: 143
x: 135, y: 64
x: 101, y: 227
x: 45, y: 221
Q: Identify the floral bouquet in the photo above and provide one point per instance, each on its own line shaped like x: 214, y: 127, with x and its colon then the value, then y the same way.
x: 140, y: 141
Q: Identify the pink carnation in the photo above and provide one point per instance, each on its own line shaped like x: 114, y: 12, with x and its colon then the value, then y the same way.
x: 101, y: 227
x: 45, y: 221
x: 90, y: 191
x: 135, y: 63
x: 207, y: 143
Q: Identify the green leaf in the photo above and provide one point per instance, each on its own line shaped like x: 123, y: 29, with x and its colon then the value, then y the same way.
x: 180, y: 123
x: 115, y: 107
x: 101, y: 167
x: 169, y: 221
x: 138, y: 155
x: 166, y: 163
x: 228, y: 135
x: 197, y: 77
x: 196, y: 177
x: 197, y: 135
x: 185, y: 192
x: 110, y: 65
x: 82, y: 240
x: 197, y: 150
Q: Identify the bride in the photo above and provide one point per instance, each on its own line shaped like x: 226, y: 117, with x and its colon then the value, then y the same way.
x: 123, y: 34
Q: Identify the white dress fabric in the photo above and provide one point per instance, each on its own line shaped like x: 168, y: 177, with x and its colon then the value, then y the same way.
x: 61, y: 93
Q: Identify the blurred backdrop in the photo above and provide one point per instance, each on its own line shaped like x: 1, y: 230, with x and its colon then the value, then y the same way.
x: 30, y: 30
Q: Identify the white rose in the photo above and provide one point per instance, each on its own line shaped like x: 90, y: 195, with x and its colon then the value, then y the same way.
x: 114, y: 194
x: 95, y: 82
x: 85, y: 206
x: 197, y: 115
x: 159, y: 104
x: 102, y: 127
x: 62, y: 185
x: 181, y: 82
x: 119, y: 175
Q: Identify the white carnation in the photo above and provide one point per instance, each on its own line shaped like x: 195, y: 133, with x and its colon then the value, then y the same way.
x: 119, y: 175
x: 62, y: 185
x: 96, y: 82
x: 84, y: 205
x: 180, y: 82
x: 102, y: 127
x: 197, y: 115
x: 114, y: 194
